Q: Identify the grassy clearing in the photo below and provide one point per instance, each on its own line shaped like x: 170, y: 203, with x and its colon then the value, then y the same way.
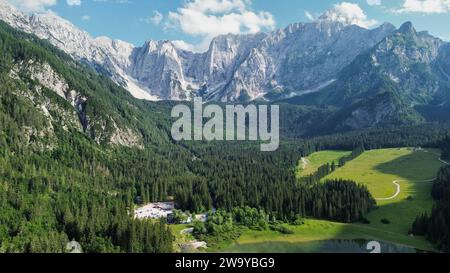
x: 377, y: 170
x: 310, y: 164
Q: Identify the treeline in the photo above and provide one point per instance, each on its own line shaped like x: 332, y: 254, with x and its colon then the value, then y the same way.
x: 328, y: 168
x: 425, y: 135
x: 436, y: 226
x: 342, y: 200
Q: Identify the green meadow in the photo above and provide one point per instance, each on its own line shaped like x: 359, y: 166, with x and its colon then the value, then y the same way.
x: 377, y: 169
x: 310, y: 164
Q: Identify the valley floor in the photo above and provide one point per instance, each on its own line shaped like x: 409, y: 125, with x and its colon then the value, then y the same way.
x: 414, y: 169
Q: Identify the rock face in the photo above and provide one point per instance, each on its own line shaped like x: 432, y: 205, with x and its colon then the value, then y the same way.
x: 388, y: 84
x: 163, y: 70
x: 405, y: 62
x: 287, y: 62
x: 73, y: 115
x: 298, y: 59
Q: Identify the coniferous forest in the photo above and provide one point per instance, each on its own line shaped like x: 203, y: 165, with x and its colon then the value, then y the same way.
x: 436, y: 226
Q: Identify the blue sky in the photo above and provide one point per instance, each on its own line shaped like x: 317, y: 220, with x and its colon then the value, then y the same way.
x: 197, y: 21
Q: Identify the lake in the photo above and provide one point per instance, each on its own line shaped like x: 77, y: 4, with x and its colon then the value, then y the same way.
x: 328, y: 246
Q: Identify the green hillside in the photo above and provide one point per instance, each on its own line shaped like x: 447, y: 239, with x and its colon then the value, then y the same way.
x: 378, y: 169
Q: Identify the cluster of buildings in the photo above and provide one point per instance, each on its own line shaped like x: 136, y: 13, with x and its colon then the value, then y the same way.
x: 165, y: 210
x: 155, y: 210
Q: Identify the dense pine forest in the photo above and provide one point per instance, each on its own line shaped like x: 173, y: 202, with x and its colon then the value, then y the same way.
x: 436, y: 226
x: 242, y: 176
x: 59, y: 181
x: 64, y: 175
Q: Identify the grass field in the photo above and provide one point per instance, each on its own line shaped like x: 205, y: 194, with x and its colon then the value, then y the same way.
x: 310, y: 164
x: 377, y: 169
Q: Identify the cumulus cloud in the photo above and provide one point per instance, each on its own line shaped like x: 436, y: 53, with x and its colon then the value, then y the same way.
x: 156, y: 18
x: 210, y: 18
x: 184, y: 45
x: 33, y: 5
x: 348, y: 13
x: 425, y: 6
x: 73, y: 2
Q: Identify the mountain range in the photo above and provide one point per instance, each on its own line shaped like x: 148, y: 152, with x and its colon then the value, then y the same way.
x: 348, y: 76
x: 298, y: 59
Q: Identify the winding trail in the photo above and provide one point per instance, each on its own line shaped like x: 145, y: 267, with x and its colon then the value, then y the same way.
x: 397, y: 182
x: 305, y: 162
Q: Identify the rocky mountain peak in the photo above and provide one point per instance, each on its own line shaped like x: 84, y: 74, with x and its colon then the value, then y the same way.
x: 407, y: 28
x: 387, y: 26
x: 294, y: 60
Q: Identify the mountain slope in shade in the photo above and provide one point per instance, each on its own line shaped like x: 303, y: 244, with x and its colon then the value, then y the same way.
x: 298, y: 59
x: 398, y: 81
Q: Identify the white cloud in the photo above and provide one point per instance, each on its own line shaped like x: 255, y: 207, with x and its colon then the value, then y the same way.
x: 85, y: 17
x: 155, y: 19
x: 209, y: 18
x: 73, y: 2
x: 373, y: 2
x: 425, y: 6
x: 184, y: 46
x: 348, y: 13
x: 33, y: 5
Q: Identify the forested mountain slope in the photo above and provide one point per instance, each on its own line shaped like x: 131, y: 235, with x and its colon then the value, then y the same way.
x: 58, y: 179
x: 400, y: 81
